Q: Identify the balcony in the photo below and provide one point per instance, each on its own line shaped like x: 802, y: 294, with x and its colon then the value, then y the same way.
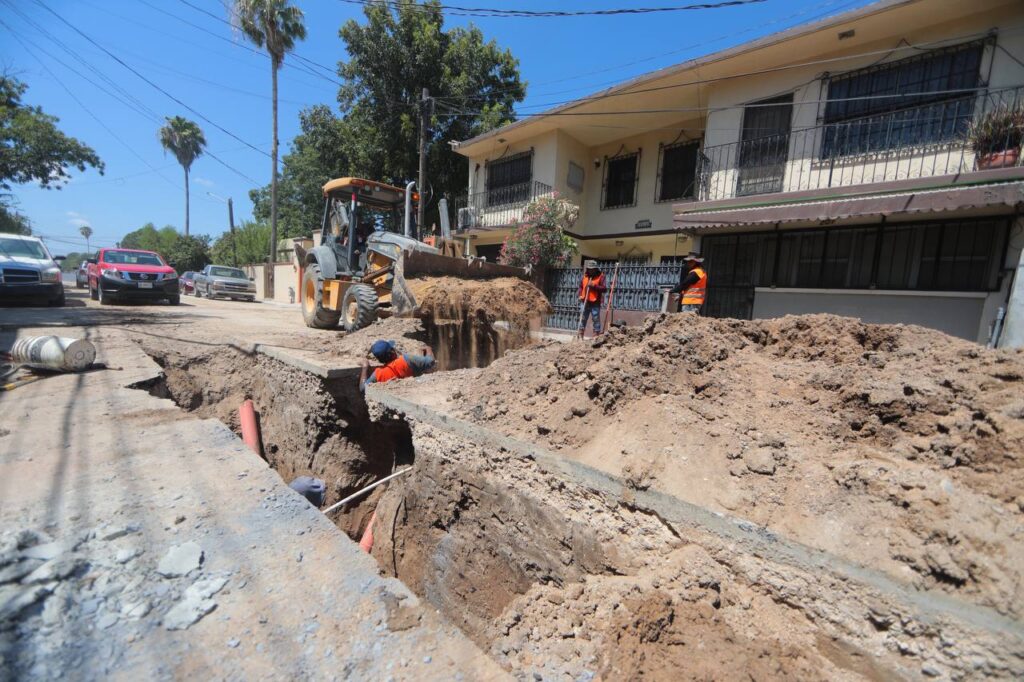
x: 914, y: 142
x: 499, y: 207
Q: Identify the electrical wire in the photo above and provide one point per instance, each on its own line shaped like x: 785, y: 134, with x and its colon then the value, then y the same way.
x: 492, y: 12
x: 147, y: 80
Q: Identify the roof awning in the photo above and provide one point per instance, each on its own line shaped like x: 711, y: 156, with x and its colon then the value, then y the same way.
x: 1006, y: 194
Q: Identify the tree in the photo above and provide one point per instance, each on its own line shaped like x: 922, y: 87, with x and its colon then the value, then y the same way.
x: 12, y: 221
x: 148, y: 238
x: 251, y: 243
x: 317, y: 155
x: 402, y: 49
x: 274, y: 25
x: 184, y: 139
x: 540, y: 238
x: 73, y: 260
x: 86, y: 232
x: 189, y: 253
x: 32, y: 149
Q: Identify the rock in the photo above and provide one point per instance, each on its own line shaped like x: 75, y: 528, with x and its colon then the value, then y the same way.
x: 125, y: 555
x: 107, y: 620
x: 27, y: 538
x: 233, y: 643
x: 50, y: 550
x: 580, y: 411
x: 195, y: 604
x: 21, y: 599
x: 54, y: 569
x: 107, y: 533
x: 180, y: 560
x: 760, y: 461
x: 18, y: 570
x: 136, y: 610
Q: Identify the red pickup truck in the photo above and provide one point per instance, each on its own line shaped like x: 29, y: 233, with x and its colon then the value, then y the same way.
x: 131, y: 274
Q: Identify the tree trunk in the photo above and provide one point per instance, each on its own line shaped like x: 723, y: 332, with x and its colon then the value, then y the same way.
x: 273, y: 185
x: 186, y: 201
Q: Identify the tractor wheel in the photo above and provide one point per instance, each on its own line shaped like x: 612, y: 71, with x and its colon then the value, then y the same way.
x: 359, y: 307
x: 313, y: 311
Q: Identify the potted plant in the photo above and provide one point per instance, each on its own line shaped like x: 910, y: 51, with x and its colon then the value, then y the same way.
x: 996, y: 137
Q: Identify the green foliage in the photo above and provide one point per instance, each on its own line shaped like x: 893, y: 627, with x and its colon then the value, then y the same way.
x: 184, y: 139
x: 402, y: 49
x: 997, y: 130
x: 540, y: 238
x: 32, y: 149
x: 317, y: 155
x: 12, y: 221
x: 270, y: 24
x: 251, y: 243
x: 148, y: 238
x: 189, y: 253
x: 73, y: 260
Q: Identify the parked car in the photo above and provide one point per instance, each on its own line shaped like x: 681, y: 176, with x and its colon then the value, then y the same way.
x: 132, y: 274
x: 28, y: 271
x: 186, y: 283
x: 221, y: 280
x: 82, y: 275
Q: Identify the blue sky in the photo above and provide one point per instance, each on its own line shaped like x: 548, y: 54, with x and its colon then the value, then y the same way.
x: 198, y: 60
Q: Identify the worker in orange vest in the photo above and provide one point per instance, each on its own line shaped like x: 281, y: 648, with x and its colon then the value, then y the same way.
x: 592, y: 288
x: 693, y: 285
x: 394, y: 365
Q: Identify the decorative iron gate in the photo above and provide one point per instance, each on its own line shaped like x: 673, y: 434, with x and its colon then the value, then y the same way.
x: 637, y: 287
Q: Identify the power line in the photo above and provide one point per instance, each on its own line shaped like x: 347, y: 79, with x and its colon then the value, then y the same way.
x: 148, y: 81
x: 492, y: 12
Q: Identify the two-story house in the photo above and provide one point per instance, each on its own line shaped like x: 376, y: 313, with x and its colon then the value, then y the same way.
x: 827, y: 168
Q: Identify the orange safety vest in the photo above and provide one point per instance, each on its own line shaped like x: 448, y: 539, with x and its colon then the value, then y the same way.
x: 694, y: 294
x: 396, y: 369
x: 592, y: 296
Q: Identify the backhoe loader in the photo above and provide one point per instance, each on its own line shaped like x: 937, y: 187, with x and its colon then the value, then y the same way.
x: 370, y: 251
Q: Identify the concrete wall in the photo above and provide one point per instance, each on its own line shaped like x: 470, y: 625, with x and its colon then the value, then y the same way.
x: 286, y: 282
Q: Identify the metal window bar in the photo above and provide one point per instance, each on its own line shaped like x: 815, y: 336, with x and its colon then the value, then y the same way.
x: 637, y: 287
x: 508, y: 179
x: 621, y: 176
x: 499, y: 207
x: 677, y: 171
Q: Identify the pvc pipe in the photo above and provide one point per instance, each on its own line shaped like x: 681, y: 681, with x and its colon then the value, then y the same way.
x: 53, y: 352
x: 366, y: 542
x: 408, y: 208
x: 365, y: 490
x: 446, y: 223
x: 250, y: 429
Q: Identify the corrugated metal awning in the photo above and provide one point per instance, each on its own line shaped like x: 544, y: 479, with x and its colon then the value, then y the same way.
x: 1008, y: 194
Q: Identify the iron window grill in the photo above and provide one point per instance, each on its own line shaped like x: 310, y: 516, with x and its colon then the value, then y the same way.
x: 508, y: 179
x: 677, y: 171
x: 764, y: 146
x: 921, y: 100
x: 621, y: 175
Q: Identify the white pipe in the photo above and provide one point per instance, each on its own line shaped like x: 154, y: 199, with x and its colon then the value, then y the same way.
x: 365, y: 490
x: 408, y: 208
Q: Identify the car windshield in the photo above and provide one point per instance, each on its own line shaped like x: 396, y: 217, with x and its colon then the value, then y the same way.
x: 228, y: 272
x: 132, y: 258
x: 23, y: 248
x: 187, y: 275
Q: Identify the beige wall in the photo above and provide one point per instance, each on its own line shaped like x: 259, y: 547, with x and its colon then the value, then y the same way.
x: 286, y: 282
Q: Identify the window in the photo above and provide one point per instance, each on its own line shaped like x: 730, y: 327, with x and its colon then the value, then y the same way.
x: 574, y: 179
x: 764, y: 145
x: 677, y: 171
x: 620, y: 178
x: 508, y: 179
x: 914, y: 101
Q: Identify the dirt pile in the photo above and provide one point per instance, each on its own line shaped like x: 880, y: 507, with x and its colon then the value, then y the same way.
x: 892, y: 446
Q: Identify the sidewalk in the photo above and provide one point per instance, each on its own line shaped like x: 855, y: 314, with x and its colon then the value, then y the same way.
x: 140, y: 542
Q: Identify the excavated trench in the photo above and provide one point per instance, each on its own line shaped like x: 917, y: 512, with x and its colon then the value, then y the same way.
x: 555, y: 577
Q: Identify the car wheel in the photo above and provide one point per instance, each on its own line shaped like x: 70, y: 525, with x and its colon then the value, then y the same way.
x: 174, y: 300
x: 103, y: 298
x: 59, y: 301
x: 93, y: 292
x: 196, y: 292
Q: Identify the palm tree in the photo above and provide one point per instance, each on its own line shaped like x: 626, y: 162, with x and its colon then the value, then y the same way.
x: 274, y: 25
x: 184, y: 139
x: 86, y: 232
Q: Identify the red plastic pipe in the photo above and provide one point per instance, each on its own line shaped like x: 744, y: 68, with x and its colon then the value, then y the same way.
x: 250, y: 430
x: 366, y: 542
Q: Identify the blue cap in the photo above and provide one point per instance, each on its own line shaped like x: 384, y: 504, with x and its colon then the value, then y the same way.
x: 313, y: 489
x: 381, y: 349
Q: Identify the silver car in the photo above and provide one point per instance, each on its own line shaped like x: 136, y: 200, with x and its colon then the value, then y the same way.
x: 223, y: 281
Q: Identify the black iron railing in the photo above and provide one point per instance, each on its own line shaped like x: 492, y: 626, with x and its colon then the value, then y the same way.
x: 913, y: 142
x: 497, y: 207
x: 637, y: 287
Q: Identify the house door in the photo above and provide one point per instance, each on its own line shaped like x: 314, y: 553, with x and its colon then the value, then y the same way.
x: 764, y: 146
x: 735, y: 264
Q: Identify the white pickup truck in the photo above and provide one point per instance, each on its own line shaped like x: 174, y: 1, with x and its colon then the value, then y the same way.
x: 224, y: 281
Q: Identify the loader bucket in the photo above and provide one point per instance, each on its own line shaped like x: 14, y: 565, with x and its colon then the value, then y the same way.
x: 414, y: 264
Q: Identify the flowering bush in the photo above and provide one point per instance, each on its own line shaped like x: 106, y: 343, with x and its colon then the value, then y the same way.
x: 539, y: 239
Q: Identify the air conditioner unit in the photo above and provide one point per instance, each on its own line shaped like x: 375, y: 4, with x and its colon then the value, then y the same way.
x: 467, y: 218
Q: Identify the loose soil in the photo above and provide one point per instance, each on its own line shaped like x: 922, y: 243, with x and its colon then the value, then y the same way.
x: 895, y: 447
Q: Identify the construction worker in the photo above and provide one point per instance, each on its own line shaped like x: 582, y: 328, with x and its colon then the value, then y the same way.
x: 592, y: 289
x: 394, y: 365
x: 693, y: 285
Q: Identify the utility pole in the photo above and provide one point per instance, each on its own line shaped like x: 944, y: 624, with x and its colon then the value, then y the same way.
x: 231, y: 222
x: 426, y: 111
